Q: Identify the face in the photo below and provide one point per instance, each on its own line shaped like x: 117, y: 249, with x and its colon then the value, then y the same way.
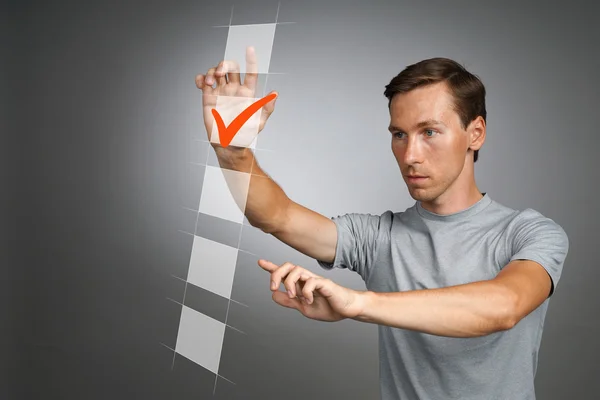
x: 429, y: 141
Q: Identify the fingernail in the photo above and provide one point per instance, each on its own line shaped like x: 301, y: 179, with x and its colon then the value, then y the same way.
x: 273, y: 285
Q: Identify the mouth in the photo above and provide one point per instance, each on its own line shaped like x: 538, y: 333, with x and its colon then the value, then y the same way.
x: 415, y: 178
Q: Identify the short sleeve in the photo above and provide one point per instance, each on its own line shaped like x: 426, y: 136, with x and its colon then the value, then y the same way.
x: 358, y: 237
x: 542, y: 240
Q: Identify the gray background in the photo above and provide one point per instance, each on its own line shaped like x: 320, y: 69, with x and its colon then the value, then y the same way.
x: 102, y: 109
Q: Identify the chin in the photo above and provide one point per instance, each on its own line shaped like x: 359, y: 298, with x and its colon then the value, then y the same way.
x: 423, y: 195
x: 419, y: 194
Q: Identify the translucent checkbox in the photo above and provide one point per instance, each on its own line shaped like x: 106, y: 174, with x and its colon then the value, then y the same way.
x: 259, y: 36
x: 212, y: 266
x: 224, y: 193
x: 200, y: 339
x: 229, y: 108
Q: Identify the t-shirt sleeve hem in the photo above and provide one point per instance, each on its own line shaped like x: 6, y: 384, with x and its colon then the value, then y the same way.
x: 338, y: 249
x: 530, y: 257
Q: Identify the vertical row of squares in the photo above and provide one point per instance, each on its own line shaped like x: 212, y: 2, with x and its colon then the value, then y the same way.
x: 223, y: 200
x: 212, y: 266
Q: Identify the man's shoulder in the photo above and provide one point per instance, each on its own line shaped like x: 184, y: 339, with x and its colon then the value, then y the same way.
x: 519, y: 217
x: 530, y: 218
x: 528, y: 226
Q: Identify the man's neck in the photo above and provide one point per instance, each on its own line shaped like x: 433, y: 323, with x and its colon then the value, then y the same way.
x: 451, y: 203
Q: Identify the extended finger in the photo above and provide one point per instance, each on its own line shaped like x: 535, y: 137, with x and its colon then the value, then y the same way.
x: 251, y: 69
x: 268, y: 265
x: 229, y: 69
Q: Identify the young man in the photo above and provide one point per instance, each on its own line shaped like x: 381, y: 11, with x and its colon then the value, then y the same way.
x: 458, y: 283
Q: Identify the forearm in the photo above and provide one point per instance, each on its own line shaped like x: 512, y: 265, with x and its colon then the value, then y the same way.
x: 260, y: 198
x: 474, y: 309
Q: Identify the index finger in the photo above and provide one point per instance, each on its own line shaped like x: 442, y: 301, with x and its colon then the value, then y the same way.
x: 278, y: 273
x: 251, y: 69
x: 268, y: 265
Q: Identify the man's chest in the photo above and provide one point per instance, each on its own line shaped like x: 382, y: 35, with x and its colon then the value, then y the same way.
x: 433, y: 258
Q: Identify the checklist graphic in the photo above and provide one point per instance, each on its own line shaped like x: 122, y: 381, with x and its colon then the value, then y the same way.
x: 219, y: 214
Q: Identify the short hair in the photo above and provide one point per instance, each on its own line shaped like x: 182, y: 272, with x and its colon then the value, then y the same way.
x: 467, y: 89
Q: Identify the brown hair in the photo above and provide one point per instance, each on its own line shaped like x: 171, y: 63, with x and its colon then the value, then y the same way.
x: 468, y: 91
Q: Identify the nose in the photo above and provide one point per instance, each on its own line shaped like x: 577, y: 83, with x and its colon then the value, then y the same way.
x: 413, y: 152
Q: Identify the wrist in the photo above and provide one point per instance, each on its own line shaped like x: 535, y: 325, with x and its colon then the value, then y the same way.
x: 365, y: 300
x: 234, y: 158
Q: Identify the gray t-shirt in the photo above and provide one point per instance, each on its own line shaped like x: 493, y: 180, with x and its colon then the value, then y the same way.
x: 418, y: 249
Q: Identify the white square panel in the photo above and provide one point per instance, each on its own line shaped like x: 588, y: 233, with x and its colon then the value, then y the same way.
x: 259, y: 36
x: 229, y: 108
x: 212, y: 266
x: 224, y: 193
x: 200, y: 339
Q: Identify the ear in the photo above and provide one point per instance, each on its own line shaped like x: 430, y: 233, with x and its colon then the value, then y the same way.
x: 476, y: 132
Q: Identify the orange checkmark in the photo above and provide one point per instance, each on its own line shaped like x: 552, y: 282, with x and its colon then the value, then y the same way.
x: 226, y: 133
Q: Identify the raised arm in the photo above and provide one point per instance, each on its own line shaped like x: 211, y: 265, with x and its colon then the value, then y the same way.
x: 263, y: 201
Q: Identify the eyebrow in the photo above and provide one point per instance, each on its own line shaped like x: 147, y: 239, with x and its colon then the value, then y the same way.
x: 421, y: 124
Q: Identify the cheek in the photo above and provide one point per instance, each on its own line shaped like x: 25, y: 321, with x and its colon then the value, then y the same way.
x: 449, y: 148
x: 445, y: 159
x: 396, y: 150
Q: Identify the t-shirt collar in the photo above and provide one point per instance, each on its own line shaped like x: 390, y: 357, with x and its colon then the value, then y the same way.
x: 460, y: 215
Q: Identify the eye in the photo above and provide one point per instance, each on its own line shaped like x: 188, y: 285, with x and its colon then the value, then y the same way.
x: 397, y: 134
x: 430, y: 132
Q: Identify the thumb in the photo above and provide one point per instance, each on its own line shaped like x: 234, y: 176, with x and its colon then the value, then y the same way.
x: 270, y: 106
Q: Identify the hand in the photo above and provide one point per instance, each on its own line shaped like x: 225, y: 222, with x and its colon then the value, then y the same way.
x: 314, y: 296
x: 226, y: 75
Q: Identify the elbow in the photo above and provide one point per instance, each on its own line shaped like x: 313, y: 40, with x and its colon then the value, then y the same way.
x: 507, y: 323
x: 277, y: 222
x: 508, y: 317
x: 272, y: 222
